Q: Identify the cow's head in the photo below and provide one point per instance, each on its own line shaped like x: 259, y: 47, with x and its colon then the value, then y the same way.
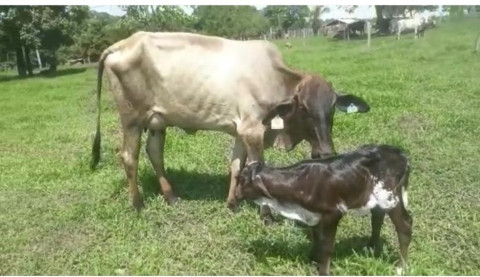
x: 308, y: 115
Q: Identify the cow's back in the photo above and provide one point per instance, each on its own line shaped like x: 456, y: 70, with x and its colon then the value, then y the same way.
x: 196, y: 81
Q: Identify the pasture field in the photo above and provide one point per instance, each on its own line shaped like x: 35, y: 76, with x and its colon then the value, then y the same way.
x: 58, y: 217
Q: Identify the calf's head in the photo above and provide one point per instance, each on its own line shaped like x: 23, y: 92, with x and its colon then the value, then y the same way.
x: 250, y: 184
x: 308, y: 115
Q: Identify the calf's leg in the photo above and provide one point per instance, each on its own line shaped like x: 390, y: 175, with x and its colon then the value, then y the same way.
x: 237, y: 163
x: 403, y: 225
x: 155, y: 147
x: 131, y: 146
x: 378, y: 215
x: 326, y: 241
x: 315, y: 246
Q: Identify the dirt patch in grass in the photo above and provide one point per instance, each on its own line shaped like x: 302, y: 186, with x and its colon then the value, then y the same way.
x: 413, y: 123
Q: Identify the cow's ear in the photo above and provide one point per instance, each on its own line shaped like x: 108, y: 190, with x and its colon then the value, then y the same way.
x: 284, y: 109
x: 351, y: 103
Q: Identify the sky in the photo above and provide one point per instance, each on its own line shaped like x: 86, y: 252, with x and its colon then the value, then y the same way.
x: 363, y: 12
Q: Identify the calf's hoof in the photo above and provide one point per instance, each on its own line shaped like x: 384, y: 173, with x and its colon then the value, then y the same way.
x: 268, y: 220
x: 375, y: 247
x: 137, y: 203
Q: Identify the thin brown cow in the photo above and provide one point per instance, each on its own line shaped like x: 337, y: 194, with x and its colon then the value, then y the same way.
x: 198, y: 82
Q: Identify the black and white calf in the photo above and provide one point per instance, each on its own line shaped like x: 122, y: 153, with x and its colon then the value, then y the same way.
x: 318, y: 192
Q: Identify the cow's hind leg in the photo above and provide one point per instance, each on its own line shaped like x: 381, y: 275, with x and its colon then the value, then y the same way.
x: 403, y: 225
x: 155, y: 146
x: 131, y: 146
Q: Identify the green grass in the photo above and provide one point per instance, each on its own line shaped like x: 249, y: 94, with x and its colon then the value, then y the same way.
x: 59, y: 218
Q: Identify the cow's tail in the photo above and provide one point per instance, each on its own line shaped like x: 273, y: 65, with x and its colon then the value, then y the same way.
x: 97, y: 140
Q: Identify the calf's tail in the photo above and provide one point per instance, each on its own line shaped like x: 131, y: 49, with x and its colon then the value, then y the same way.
x: 97, y: 139
x: 403, y: 183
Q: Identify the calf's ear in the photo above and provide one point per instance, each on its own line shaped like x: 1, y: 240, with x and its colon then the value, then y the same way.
x: 344, y: 101
x: 257, y: 181
x: 284, y: 109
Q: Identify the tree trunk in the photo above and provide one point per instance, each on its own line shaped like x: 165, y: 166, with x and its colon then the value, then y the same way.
x: 26, y: 49
x: 382, y: 23
x: 20, y: 62
x: 38, y: 58
x: 53, y: 62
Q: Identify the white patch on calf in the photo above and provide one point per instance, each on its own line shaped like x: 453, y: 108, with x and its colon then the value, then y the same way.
x: 380, y: 196
x: 291, y: 211
x: 386, y: 199
x: 405, y: 197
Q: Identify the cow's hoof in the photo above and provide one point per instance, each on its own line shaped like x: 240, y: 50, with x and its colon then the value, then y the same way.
x: 233, y: 207
x: 171, y: 199
x: 138, y: 203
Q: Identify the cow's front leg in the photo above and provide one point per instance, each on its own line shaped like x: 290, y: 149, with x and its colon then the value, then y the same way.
x: 155, y: 146
x: 252, y: 138
x: 239, y: 156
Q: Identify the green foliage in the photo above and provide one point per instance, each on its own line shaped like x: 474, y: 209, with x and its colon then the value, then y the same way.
x: 459, y: 10
x: 229, y: 21
x: 315, y: 20
x: 285, y: 17
x: 158, y: 18
x: 46, y: 27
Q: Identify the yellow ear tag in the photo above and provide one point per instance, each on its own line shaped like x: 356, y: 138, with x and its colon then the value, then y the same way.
x: 277, y: 123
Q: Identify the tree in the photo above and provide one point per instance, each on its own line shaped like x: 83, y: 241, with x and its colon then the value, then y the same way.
x: 158, y: 18
x: 285, y: 17
x: 12, y: 20
x: 316, y: 21
x: 93, y: 36
x: 48, y: 27
x: 229, y: 21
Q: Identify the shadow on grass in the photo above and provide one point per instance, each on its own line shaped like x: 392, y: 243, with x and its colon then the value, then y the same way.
x: 43, y: 74
x: 188, y: 185
x: 293, y: 250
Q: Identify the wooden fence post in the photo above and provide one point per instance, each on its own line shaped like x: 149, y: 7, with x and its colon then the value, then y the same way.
x: 476, y: 46
x: 304, y: 37
x: 369, y: 31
